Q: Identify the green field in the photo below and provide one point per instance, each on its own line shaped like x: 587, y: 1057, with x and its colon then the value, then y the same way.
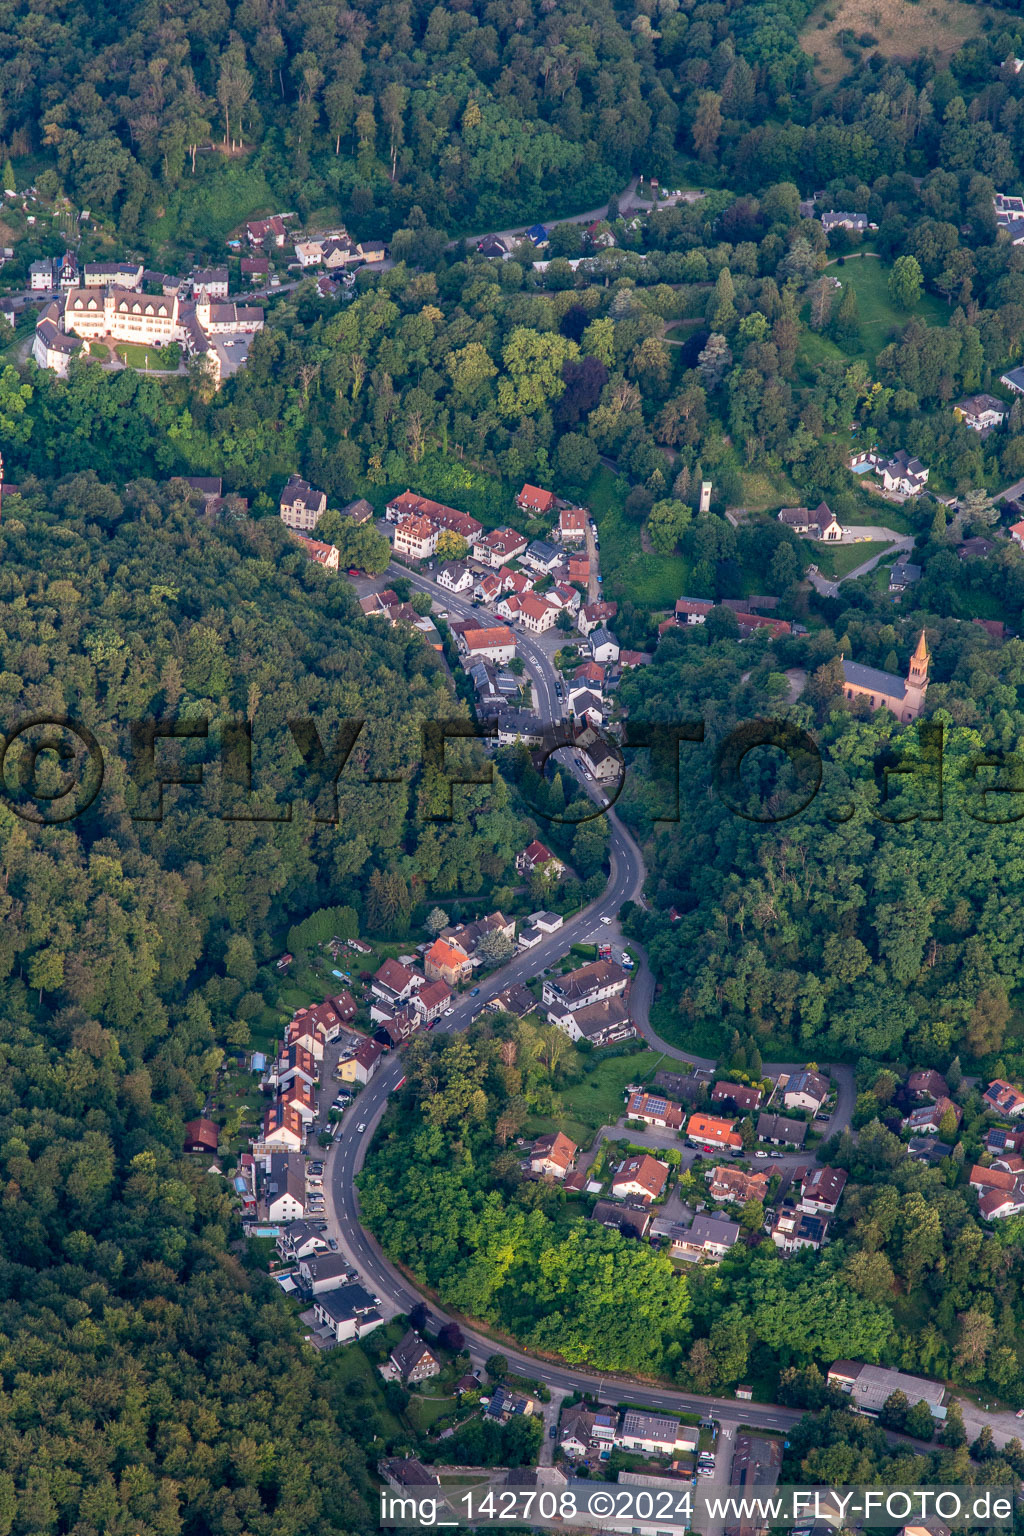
x: 649, y: 581
x: 839, y: 560
x: 878, y: 316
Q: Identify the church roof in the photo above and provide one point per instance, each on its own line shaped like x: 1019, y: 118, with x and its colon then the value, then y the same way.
x: 874, y: 680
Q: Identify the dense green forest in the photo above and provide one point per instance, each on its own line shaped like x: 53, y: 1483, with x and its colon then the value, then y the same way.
x: 153, y: 1378
x: 910, y: 1278
x: 869, y: 923
x: 477, y: 116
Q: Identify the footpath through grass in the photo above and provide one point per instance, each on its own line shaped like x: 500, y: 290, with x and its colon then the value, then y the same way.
x: 838, y: 560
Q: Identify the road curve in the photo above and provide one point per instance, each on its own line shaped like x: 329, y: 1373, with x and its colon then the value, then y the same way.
x: 346, y: 1156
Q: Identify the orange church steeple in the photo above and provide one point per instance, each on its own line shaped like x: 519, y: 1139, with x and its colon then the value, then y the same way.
x: 917, y: 677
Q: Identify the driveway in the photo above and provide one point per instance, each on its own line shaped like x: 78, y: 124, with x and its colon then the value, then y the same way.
x: 901, y: 543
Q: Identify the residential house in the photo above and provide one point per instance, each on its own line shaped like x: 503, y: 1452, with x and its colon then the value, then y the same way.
x: 981, y: 412
x: 756, y: 1463
x: 604, y: 1023
x: 283, y: 1128
x: 1016, y: 530
x: 871, y: 1386
x: 780, y: 1131
x: 603, y: 645
x: 651, y: 1434
x: 413, y: 1360
x: 401, y: 1472
x: 431, y: 1001
x: 693, y: 610
x: 975, y: 548
x: 903, y: 474
x: 394, y: 982
x: 585, y: 1432
x: 630, y: 1217
x: 299, y: 1096
x: 113, y: 274
x: 553, y: 1156
x: 324, y: 555
x: 469, y: 935
x: 519, y: 725
x: 1009, y: 211
x: 346, y: 1312
x: 795, y: 1229
x: 344, y: 1007
x: 202, y: 1135
x: 1003, y: 1143
x: 506, y: 1404
x: 455, y: 577
x: 821, y: 523
x: 535, y: 856
x: 821, y: 1191
x: 579, y: 569
x: 840, y: 219
x: 416, y: 538
x: 641, y: 1176
x: 806, y: 1090
x: 591, y: 983
x: 396, y: 1027
x: 266, y: 231
x: 301, y: 505
x: 286, y: 1187
x: 255, y: 269
x: 515, y: 999
x: 707, y: 1237
x: 362, y: 1064
x: 572, y: 525
x: 591, y: 675
x: 708, y: 1132
x: 359, y: 511
x: 745, y: 1098
x: 493, y: 247
x: 1014, y: 380
x: 541, y: 556
x: 593, y: 615
x: 497, y: 644
x: 211, y: 282
x: 736, y: 1186
x: 300, y: 1240
x: 653, y: 1110
x: 926, y: 1119
x: 604, y: 762
x: 532, y: 499
x: 904, y: 574
x: 534, y: 613
x: 928, y: 1149
x: 1004, y: 1098
x: 538, y: 235
x: 408, y: 504
x: 294, y: 1062
x: 498, y: 548
x: 446, y: 962
x: 42, y: 275
x: 586, y: 705
x: 320, y: 1272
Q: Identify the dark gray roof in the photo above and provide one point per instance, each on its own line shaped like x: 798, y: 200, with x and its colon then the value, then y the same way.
x: 714, y: 1229
x: 904, y: 573
x: 346, y: 1302
x: 874, y: 680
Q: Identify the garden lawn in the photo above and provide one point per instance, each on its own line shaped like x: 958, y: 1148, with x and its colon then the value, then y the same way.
x: 879, y: 317
x: 838, y: 560
x: 598, y: 1099
x: 135, y: 356
x: 629, y: 574
x: 350, y: 1364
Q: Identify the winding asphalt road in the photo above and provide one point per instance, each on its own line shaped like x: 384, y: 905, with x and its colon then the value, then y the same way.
x: 346, y: 1156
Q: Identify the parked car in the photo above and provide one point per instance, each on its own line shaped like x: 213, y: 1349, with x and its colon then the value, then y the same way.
x: 332, y: 1243
x: 475, y: 992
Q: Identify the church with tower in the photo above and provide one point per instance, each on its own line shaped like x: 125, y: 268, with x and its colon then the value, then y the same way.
x: 884, y: 690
